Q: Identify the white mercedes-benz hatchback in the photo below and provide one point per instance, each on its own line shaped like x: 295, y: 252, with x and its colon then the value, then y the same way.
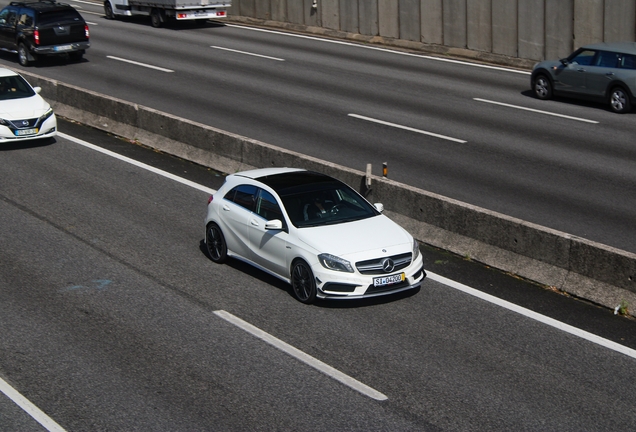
x: 24, y: 115
x: 312, y: 231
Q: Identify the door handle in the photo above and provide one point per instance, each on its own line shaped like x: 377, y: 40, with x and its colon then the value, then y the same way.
x: 254, y: 222
x: 226, y: 207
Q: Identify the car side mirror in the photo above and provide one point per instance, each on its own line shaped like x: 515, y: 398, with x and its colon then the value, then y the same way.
x: 379, y: 207
x: 564, y: 61
x: 37, y: 89
x: 275, y: 224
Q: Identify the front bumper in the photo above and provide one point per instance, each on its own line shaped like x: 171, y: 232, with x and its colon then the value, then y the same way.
x: 339, y: 285
x: 47, y: 129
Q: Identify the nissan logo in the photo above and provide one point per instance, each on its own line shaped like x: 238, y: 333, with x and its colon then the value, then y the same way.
x: 25, y: 122
x: 388, y: 265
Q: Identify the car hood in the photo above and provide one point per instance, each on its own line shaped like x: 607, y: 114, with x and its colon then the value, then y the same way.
x: 378, y: 235
x: 24, y: 108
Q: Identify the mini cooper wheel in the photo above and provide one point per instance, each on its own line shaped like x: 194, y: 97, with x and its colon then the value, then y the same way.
x: 215, y: 243
x: 619, y: 100
x: 303, y: 282
x: 542, y: 87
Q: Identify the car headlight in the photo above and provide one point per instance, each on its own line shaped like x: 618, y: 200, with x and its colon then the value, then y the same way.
x: 416, y: 249
x: 4, y: 122
x: 335, y: 263
x: 46, y: 115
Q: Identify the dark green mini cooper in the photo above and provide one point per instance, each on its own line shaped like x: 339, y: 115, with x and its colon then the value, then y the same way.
x: 604, y: 72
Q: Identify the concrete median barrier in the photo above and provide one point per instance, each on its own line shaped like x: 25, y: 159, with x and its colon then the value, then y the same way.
x: 582, y: 268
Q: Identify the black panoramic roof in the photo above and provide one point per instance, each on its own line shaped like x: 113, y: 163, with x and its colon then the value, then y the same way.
x: 298, y: 181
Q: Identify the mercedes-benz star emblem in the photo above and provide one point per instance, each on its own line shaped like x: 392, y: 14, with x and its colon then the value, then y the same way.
x: 388, y: 265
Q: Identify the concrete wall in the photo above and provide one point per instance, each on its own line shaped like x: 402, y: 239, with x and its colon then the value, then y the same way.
x: 586, y: 269
x: 527, y: 29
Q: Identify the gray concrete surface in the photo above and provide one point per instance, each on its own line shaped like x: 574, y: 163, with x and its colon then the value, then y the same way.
x: 577, y: 266
x: 530, y: 29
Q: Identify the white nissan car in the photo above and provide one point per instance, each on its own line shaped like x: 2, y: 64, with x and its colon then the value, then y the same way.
x: 312, y: 231
x: 24, y: 115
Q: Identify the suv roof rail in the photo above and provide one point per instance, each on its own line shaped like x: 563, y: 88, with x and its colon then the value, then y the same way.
x: 24, y: 3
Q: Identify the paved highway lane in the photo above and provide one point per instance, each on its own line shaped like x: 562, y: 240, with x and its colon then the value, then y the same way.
x: 110, y: 321
x: 434, y: 122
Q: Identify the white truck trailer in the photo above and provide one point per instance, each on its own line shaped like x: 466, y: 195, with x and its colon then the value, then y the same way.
x: 162, y: 10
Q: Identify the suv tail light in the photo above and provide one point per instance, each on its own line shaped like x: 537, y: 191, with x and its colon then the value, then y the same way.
x: 86, y: 32
x: 36, y: 36
x: 210, y: 199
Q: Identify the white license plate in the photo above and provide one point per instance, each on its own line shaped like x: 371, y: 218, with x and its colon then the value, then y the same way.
x: 63, y: 48
x: 389, y: 280
x: 22, y: 132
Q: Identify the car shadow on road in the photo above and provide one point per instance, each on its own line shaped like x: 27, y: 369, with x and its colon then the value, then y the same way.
x: 574, y: 101
x: 328, y: 304
x: 22, y: 145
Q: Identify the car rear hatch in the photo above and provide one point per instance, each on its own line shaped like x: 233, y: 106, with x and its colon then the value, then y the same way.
x: 61, y: 27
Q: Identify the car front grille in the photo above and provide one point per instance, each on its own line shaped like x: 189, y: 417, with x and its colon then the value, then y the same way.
x: 378, y: 266
x: 24, y: 123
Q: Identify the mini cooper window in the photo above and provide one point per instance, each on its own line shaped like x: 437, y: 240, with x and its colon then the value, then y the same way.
x: 607, y: 59
x: 583, y: 57
x: 628, y: 61
x: 243, y: 195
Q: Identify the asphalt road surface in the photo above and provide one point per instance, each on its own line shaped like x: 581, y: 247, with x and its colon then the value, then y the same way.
x: 113, y: 318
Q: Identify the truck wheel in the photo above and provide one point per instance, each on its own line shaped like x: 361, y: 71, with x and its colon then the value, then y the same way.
x: 156, y: 18
x: 23, y: 55
x: 108, y: 11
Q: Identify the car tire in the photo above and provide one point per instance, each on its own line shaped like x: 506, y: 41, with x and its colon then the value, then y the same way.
x: 215, y: 244
x: 619, y: 100
x: 23, y: 55
x: 303, y: 282
x: 542, y: 87
x: 108, y: 11
x: 156, y: 18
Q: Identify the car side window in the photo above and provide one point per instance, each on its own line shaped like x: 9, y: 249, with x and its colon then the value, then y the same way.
x: 607, y: 59
x: 583, y: 58
x: 267, y: 207
x: 26, y: 20
x: 243, y: 195
x: 628, y: 61
x: 11, y: 17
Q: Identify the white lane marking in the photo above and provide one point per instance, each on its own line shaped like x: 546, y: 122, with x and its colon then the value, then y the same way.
x: 395, y: 125
x: 534, y: 315
x: 140, y: 64
x: 246, y: 53
x: 339, y: 42
x: 137, y: 163
x: 303, y: 357
x: 535, y: 110
x: 47, y: 422
x: 437, y: 278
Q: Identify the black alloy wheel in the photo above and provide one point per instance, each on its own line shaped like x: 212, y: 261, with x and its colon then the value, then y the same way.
x: 303, y: 282
x: 215, y: 243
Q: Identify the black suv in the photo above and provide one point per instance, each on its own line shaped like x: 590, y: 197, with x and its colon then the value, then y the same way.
x: 34, y: 29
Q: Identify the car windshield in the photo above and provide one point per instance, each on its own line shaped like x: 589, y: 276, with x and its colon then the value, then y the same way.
x: 14, y: 87
x: 326, y: 204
